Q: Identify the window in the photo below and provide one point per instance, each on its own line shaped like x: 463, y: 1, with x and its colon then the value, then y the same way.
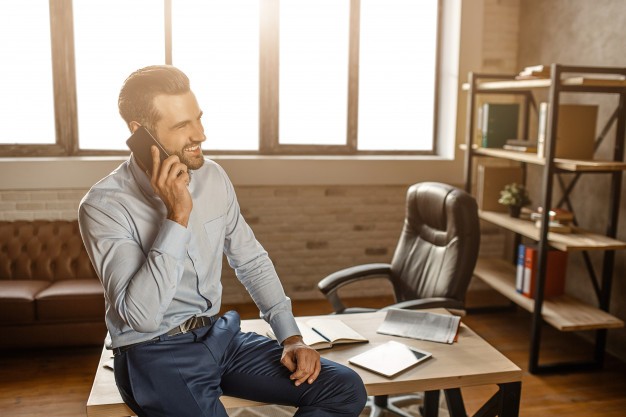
x: 272, y: 76
x: 26, y: 81
x: 134, y: 39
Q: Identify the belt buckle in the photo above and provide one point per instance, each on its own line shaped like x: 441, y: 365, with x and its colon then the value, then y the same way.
x: 188, y: 325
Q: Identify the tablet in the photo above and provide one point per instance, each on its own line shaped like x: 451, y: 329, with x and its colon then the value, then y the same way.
x: 390, y: 358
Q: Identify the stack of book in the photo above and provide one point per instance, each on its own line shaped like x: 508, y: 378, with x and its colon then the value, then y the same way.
x: 521, y: 145
x: 560, y: 220
x: 533, y: 72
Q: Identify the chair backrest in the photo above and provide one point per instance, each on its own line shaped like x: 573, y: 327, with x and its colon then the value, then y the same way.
x: 438, y: 248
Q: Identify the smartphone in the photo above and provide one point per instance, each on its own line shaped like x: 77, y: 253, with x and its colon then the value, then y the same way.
x: 140, y: 143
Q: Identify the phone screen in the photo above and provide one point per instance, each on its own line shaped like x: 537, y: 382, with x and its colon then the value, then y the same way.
x: 140, y: 143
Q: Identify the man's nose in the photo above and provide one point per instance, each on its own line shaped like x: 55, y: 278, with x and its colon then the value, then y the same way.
x: 198, y: 133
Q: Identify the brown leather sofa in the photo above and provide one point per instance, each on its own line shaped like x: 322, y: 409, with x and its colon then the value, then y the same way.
x: 50, y: 295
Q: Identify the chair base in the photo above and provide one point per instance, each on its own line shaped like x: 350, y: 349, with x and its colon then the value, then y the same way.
x: 381, y: 403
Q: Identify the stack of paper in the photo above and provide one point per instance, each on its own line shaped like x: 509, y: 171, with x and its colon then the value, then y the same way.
x: 422, y: 325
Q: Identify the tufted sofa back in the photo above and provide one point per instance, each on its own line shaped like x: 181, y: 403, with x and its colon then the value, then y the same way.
x: 49, y: 250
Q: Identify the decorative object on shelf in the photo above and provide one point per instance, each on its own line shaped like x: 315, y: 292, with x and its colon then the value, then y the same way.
x: 560, y: 220
x: 515, y: 196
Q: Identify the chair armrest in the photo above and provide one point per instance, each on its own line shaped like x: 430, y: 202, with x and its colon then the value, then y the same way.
x: 434, y: 302
x: 329, y: 285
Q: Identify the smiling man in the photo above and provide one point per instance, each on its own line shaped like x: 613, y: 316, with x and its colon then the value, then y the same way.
x: 157, y: 241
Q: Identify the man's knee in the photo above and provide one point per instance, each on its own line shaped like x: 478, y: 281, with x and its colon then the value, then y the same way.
x: 349, y: 392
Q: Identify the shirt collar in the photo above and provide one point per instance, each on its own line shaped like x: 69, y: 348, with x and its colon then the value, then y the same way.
x: 141, y: 177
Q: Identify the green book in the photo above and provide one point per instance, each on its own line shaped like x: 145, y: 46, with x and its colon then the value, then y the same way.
x: 499, y: 124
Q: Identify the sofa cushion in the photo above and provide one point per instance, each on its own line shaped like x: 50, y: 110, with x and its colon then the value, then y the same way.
x: 43, y: 250
x: 71, y: 300
x: 17, y: 300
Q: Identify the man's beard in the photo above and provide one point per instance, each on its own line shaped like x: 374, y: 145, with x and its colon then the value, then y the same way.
x: 192, y: 164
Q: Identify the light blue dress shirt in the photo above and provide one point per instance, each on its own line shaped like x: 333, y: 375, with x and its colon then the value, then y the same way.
x: 155, y: 272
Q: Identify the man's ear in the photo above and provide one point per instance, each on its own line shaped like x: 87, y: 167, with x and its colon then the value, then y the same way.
x: 134, y: 126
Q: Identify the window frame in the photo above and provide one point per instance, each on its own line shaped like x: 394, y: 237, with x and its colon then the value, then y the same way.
x: 65, y: 98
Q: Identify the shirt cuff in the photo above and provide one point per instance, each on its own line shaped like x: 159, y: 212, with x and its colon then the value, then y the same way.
x: 284, y: 325
x: 172, y: 239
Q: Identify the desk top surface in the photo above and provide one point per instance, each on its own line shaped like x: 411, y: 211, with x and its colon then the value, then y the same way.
x: 469, y: 361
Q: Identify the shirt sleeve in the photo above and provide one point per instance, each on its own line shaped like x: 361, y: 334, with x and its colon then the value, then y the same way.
x: 139, y: 286
x: 255, y: 270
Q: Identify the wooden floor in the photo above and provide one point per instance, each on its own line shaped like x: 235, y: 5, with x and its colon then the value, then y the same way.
x: 57, y: 383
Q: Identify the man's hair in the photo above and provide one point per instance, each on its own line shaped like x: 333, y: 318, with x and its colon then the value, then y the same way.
x: 136, y: 98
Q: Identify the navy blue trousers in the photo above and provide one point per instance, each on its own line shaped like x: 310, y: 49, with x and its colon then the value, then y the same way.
x: 184, y: 376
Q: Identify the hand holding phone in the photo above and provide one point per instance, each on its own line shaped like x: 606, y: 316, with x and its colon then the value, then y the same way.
x: 140, y: 143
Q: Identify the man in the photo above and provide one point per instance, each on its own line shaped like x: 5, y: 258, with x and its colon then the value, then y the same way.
x: 156, y: 242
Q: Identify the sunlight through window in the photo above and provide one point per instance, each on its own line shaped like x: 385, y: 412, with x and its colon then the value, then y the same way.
x: 397, y: 74
x: 27, y: 105
x: 313, y: 80
x: 113, y: 38
x: 216, y: 43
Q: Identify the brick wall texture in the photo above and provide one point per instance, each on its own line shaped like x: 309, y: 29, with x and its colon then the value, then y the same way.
x: 309, y: 232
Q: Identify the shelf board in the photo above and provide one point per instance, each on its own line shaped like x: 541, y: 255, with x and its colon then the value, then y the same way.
x: 544, y: 83
x: 580, y: 239
x: 571, y: 165
x: 564, y: 313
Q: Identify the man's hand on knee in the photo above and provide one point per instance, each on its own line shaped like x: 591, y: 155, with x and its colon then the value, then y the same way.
x: 302, y: 360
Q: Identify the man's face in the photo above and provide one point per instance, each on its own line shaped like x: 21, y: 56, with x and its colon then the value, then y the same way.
x: 180, y: 129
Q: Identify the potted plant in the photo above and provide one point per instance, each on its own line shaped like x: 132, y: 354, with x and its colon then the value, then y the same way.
x: 514, y: 196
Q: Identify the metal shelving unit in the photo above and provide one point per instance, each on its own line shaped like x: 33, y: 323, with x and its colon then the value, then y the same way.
x: 564, y: 313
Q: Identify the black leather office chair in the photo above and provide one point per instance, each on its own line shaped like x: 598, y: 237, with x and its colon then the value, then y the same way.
x: 433, y: 262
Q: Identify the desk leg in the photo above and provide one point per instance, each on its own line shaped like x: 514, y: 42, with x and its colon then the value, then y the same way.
x: 431, y: 404
x: 504, y: 403
x: 454, y: 400
x: 509, y: 402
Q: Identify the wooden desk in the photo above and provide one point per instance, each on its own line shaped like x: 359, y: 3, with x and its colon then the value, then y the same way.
x: 469, y: 362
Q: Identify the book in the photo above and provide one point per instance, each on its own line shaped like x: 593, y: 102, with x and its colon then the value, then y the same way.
x: 597, y: 80
x: 555, y: 273
x: 490, y: 181
x: 555, y: 226
x: 324, y: 333
x: 518, y: 148
x: 575, y: 131
x: 421, y: 325
x: 519, y: 271
x: 390, y: 358
x: 499, y: 123
x: 521, y: 142
x: 534, y: 71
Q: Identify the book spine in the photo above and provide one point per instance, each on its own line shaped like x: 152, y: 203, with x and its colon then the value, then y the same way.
x: 478, y: 140
x: 519, y: 276
x: 484, y: 124
x: 555, y: 273
x: 542, y: 127
x: 530, y: 260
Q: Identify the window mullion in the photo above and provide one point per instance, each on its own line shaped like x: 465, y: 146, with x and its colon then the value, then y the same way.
x: 268, y: 76
x: 64, y: 75
x: 353, y: 76
x: 167, y: 17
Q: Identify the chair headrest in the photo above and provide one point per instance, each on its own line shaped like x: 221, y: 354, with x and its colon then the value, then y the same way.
x: 435, y: 209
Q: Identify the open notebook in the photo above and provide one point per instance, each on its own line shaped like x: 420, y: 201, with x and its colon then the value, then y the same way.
x: 324, y: 333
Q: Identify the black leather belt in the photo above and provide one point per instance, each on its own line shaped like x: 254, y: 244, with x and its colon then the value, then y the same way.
x: 190, y: 324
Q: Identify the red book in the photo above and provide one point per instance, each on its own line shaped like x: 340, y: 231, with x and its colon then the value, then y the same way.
x: 555, y: 273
